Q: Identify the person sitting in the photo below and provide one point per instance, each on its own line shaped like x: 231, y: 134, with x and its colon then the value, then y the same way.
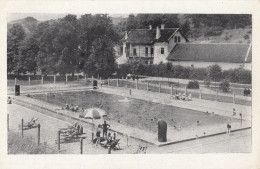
x: 109, y: 140
x: 32, y: 123
x: 67, y: 107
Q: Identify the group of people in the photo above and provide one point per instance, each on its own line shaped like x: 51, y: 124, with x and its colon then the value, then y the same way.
x: 107, y: 137
x: 73, y: 108
x: 180, y: 96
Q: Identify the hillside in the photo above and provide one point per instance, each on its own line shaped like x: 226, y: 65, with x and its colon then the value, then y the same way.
x: 29, y: 24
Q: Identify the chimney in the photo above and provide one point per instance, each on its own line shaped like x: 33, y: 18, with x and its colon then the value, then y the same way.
x: 150, y: 27
x: 158, y: 33
x: 162, y: 26
x: 126, y: 35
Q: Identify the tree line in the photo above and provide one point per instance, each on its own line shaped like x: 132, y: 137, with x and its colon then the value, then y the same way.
x: 213, y: 73
x: 64, y: 46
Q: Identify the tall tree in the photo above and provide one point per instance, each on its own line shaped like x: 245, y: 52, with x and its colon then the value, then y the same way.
x: 15, y: 37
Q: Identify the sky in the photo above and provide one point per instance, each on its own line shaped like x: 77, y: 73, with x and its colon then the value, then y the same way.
x: 47, y: 16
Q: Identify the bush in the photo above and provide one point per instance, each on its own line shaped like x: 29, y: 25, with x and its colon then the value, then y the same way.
x: 207, y: 82
x: 193, y: 84
x: 224, y: 85
x: 246, y: 37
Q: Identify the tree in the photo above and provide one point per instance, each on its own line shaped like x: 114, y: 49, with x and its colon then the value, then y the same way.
x: 224, y: 85
x: 15, y: 37
x: 28, y: 54
x: 215, y: 73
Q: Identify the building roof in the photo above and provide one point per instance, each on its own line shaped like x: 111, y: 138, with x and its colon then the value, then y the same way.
x: 148, y: 36
x: 214, y: 52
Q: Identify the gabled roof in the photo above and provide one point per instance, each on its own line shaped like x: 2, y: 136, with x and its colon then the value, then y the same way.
x: 214, y: 52
x: 148, y: 36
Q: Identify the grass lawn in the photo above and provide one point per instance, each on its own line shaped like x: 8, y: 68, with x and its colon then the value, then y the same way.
x: 136, y: 113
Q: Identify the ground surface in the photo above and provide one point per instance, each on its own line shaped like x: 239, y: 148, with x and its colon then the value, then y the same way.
x: 236, y: 142
x: 135, y: 113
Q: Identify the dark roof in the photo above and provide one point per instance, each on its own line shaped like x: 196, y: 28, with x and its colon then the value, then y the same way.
x: 148, y: 36
x: 220, y: 52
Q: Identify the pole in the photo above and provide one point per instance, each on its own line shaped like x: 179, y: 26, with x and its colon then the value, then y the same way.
x: 39, y: 133
x: 22, y: 128
x: 59, y: 140
x: 42, y: 79
x: 216, y: 94
x: 29, y: 80
x: 233, y: 97
x: 92, y: 135
x: 54, y: 79
x: 186, y: 90
x: 81, y: 145
x: 7, y: 122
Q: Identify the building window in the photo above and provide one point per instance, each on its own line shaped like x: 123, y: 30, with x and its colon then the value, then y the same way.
x: 146, y: 62
x: 175, y: 40
x: 151, y: 51
x: 151, y: 62
x: 179, y: 39
x: 134, y: 51
x: 146, y: 51
x: 162, y: 50
x: 121, y: 50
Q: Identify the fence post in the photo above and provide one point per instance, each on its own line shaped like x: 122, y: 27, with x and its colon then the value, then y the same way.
x: 117, y: 82
x: 42, y: 79
x: 22, y: 128
x: 66, y: 78
x: 147, y: 86
x: 29, y: 80
x: 186, y: 90
x: 109, y: 150
x: 54, y: 79
x: 108, y: 81
x: 15, y: 81
x: 216, y: 94
x: 159, y: 87
x: 59, y: 140
x: 233, y: 97
x: 171, y: 90
x: 81, y: 145
x: 39, y: 134
x: 7, y: 122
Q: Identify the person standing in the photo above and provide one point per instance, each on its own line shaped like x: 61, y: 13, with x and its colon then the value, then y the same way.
x: 105, y: 126
x: 228, y: 128
x: 98, y: 136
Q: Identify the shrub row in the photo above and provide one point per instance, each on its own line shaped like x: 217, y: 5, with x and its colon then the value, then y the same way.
x: 238, y: 75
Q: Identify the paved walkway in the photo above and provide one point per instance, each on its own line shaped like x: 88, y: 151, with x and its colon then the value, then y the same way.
x: 172, y: 134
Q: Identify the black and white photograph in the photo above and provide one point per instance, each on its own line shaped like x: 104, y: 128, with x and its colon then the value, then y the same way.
x: 87, y: 84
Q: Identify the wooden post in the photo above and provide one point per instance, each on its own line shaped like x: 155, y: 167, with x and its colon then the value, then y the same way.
x: 117, y: 82
x: 15, y: 81
x: 159, y: 87
x: 42, y: 79
x: 233, y: 97
x: 66, y: 78
x: 39, y: 134
x: 92, y: 133
x: 81, y: 145
x: 22, y: 128
x: 171, y: 90
x: 29, y: 80
x: 54, y: 79
x: 7, y: 122
x: 59, y: 140
x: 147, y: 86
x: 216, y: 94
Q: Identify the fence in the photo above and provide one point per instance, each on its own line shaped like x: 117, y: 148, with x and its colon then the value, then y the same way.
x: 207, y: 94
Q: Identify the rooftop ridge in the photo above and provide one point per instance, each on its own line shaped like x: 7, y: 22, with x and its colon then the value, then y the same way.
x: 216, y: 43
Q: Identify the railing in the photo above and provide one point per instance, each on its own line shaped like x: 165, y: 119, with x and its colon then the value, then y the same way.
x: 139, y: 55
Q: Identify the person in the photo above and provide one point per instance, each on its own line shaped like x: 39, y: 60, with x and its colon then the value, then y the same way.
x: 234, y: 112
x: 114, y: 136
x: 228, y: 128
x: 105, y: 126
x: 109, y: 139
x: 98, y: 136
x: 82, y: 109
x: 67, y: 107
